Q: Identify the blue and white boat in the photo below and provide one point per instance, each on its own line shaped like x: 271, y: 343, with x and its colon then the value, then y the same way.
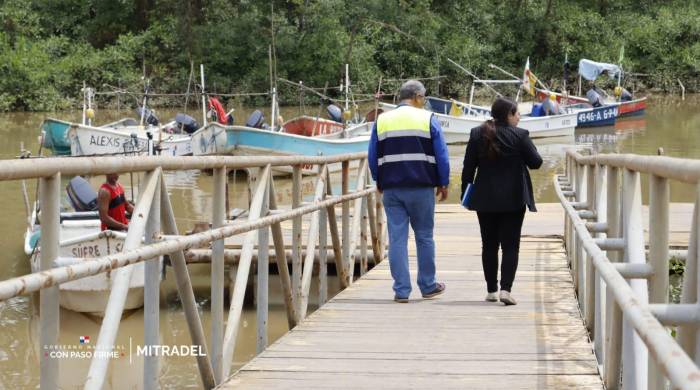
x: 218, y: 139
x: 456, y: 128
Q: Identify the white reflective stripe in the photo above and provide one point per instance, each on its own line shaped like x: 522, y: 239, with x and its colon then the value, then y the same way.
x: 407, y: 157
x: 403, y: 133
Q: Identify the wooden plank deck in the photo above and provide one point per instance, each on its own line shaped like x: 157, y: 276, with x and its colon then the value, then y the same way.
x: 361, y: 339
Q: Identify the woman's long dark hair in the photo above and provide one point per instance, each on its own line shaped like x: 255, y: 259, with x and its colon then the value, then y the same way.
x: 500, y: 110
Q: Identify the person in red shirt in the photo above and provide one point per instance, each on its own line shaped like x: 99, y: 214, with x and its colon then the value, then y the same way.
x: 112, y: 204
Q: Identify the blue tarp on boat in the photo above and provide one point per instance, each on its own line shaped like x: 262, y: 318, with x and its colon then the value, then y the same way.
x: 590, y: 70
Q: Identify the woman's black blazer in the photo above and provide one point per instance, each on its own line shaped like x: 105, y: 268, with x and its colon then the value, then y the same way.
x: 502, y: 184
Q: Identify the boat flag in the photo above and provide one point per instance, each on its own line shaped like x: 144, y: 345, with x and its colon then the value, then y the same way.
x: 529, y: 79
x: 622, y: 54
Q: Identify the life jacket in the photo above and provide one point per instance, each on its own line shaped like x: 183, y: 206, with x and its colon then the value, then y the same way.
x: 216, y: 105
x: 117, y: 204
x: 405, y: 153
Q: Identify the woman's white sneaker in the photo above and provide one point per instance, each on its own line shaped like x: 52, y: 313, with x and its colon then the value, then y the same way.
x: 507, y: 299
x: 492, y: 297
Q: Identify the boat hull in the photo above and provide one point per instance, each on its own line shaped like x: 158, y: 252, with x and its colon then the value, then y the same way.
x: 456, y: 130
x: 217, y: 139
x: 90, y: 141
x: 91, y: 294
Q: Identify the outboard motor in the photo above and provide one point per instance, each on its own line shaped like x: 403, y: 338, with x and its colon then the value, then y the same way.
x: 334, y: 113
x: 594, y: 98
x: 81, y: 195
x: 255, y: 120
x: 187, y: 123
x: 149, y: 116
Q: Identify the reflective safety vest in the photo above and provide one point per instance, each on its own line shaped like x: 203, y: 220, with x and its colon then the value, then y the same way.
x: 405, y: 153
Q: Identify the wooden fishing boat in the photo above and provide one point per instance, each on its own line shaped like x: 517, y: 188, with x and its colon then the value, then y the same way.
x: 456, y: 129
x: 626, y: 108
x: 89, y: 141
x: 217, y: 139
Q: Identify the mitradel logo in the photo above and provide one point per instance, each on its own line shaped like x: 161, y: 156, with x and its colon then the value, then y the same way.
x: 85, y: 350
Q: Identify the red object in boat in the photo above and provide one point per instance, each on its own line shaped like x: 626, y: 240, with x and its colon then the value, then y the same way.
x: 216, y: 105
x: 304, y: 125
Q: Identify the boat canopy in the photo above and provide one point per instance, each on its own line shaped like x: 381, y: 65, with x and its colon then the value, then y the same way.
x: 590, y: 70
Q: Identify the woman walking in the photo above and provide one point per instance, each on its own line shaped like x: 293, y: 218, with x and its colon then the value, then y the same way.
x: 499, y: 153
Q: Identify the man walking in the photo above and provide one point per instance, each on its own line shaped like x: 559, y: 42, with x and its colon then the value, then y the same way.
x: 408, y: 158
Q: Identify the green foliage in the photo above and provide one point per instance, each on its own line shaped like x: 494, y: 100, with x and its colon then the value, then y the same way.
x: 50, y: 47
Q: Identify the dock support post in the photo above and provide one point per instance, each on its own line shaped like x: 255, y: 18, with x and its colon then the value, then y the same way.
x: 281, y: 259
x: 184, y: 289
x: 217, y: 274
x: 345, y: 186
x: 49, y: 190
x: 239, y: 287
x: 151, y: 296
x: 340, y: 269
x: 322, y: 258
x: 296, y: 241
x: 312, y: 239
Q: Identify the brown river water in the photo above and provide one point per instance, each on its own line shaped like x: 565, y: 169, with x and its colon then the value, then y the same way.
x: 669, y: 123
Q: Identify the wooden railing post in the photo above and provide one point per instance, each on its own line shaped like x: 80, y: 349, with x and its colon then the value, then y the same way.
x: 263, y: 275
x: 634, y: 352
x: 217, y: 275
x: 659, y: 197
x: 613, y: 334
x: 687, y: 334
x: 151, y: 295
x: 49, y: 200
x: 120, y: 284
x: 589, y: 269
x: 296, y: 239
x: 601, y: 207
x: 345, y: 187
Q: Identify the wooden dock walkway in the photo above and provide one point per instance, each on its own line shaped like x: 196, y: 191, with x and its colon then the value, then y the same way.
x: 361, y: 339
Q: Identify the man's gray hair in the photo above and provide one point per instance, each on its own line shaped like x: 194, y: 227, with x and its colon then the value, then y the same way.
x: 410, y: 89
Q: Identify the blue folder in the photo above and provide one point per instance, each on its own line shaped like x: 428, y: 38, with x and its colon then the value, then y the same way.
x: 467, y: 195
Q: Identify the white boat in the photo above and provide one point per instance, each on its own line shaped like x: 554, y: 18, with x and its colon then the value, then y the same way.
x: 217, y: 139
x: 456, y: 129
x: 119, y: 138
x: 80, y: 238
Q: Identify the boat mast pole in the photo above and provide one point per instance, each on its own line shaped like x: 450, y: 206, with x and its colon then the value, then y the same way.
x: 84, y: 105
x: 204, y: 109
x: 347, y: 85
